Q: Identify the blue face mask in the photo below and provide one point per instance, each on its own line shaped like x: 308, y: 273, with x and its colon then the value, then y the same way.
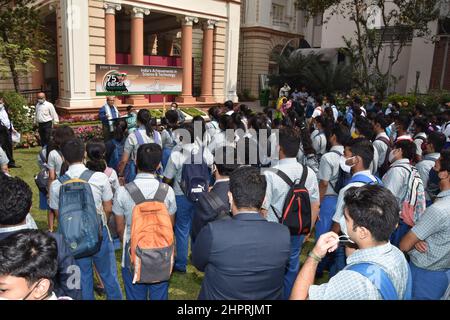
x: 433, y: 177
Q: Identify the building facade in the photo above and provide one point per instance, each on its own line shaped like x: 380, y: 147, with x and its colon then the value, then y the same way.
x: 267, y: 27
x: 202, y: 36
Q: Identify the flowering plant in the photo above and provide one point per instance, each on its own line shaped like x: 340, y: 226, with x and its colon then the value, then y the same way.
x: 88, y: 132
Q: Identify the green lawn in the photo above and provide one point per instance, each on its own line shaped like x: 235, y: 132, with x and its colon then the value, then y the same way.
x: 182, y: 286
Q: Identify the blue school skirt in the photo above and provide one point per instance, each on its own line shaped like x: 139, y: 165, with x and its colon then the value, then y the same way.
x: 43, y: 204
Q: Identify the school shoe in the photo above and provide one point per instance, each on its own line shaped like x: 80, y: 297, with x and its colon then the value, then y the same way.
x: 177, y: 270
x: 14, y: 166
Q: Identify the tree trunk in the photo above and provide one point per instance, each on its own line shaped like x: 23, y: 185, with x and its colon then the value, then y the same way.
x: 15, y: 75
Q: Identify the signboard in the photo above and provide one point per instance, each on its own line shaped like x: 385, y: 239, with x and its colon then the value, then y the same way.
x: 123, y: 80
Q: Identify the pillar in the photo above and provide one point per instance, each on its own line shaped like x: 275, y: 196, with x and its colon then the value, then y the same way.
x: 207, y: 62
x: 186, y: 59
x: 137, y: 46
x: 110, y: 31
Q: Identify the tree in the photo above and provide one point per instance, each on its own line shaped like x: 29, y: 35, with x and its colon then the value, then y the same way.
x: 311, y: 71
x: 22, y: 39
x: 399, y: 18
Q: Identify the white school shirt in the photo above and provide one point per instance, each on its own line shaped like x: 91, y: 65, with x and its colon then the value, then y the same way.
x: 178, y: 157
x: 131, y: 143
x: 101, y: 188
x: 319, y: 142
x: 381, y: 148
x: 329, y: 168
x: 55, y: 162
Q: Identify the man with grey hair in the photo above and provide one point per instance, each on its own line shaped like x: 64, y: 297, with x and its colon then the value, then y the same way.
x: 107, y: 113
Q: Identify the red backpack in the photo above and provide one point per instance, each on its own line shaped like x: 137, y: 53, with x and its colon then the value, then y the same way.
x: 296, y: 213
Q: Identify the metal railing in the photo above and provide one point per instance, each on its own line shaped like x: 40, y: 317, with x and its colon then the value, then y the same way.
x: 31, y: 95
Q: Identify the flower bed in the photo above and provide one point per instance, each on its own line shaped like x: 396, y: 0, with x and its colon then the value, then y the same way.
x: 193, y: 112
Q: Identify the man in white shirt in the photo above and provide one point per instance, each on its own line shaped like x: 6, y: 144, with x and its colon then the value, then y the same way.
x: 45, y: 117
x: 6, y: 130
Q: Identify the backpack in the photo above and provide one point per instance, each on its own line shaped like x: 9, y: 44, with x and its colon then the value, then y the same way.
x: 152, y: 238
x: 131, y: 169
x: 116, y: 155
x: 362, y: 178
x: 386, y: 165
x: 296, y: 213
x: 343, y: 177
x: 414, y: 204
x: 78, y: 221
x: 41, y: 179
x: 215, y: 209
x: 194, y: 177
x: 381, y: 280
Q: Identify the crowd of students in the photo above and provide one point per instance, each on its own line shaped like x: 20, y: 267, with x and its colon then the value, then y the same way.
x: 372, y: 184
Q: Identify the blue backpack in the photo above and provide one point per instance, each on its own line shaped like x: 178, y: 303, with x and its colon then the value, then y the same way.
x: 365, y: 179
x: 116, y: 155
x: 194, y: 177
x: 79, y: 223
x: 380, y: 279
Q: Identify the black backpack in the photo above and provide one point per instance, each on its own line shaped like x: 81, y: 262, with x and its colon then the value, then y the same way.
x: 296, y: 213
x: 343, y: 177
x: 386, y: 165
x: 214, y: 206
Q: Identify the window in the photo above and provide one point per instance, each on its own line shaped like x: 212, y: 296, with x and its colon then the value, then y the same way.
x: 278, y: 18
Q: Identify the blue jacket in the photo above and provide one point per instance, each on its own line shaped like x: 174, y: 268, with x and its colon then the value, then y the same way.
x: 243, y: 258
x: 102, y: 114
x: 66, y: 263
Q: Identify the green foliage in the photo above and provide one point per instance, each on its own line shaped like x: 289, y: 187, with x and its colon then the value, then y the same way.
x: 193, y: 112
x: 156, y: 113
x: 22, y: 39
x: 21, y: 114
x: 312, y: 71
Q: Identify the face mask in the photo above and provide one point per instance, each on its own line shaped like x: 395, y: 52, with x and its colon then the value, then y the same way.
x: 41, y: 100
x: 392, y: 156
x: 342, y: 163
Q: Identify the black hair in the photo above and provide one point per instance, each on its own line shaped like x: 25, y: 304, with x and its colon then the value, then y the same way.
x: 438, y: 140
x: 59, y: 136
x: 224, y: 167
x: 404, y: 121
x: 409, y: 149
x: 172, y: 118
x: 201, y: 134
x: 29, y: 254
x: 145, y: 119
x: 237, y: 119
x: 189, y: 127
x: 342, y: 134
x: 289, y: 141
x: 73, y: 150
x: 229, y: 104
x: 381, y: 120
x: 129, y: 107
x: 364, y: 127
x: 374, y: 208
x: 445, y: 160
x: 306, y: 142
x: 120, y: 130
x: 96, y: 151
x: 148, y: 157
x: 226, y: 122
x: 421, y: 123
x: 15, y: 200
x: 248, y: 187
x: 363, y: 148
x: 214, y: 113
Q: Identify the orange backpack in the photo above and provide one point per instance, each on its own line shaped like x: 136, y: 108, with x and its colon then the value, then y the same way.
x: 152, y: 237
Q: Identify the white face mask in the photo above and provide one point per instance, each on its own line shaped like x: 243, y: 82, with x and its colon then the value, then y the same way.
x: 391, y: 156
x: 342, y: 163
x: 41, y: 100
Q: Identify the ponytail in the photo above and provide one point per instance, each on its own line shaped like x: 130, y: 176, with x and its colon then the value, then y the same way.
x: 145, y: 119
x: 95, y: 149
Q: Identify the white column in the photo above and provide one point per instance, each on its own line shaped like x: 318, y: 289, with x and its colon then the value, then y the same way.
x: 231, y: 51
x: 75, y: 49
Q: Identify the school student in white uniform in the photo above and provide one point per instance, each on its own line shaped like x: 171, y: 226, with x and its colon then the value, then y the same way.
x: 104, y: 260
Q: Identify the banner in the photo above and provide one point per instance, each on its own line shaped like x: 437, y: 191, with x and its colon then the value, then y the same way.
x: 123, y: 79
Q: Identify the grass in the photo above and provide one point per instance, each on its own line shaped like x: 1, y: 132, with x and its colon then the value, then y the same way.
x: 193, y: 112
x: 182, y: 286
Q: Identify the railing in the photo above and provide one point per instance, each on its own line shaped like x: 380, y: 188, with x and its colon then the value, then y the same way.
x: 31, y: 95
